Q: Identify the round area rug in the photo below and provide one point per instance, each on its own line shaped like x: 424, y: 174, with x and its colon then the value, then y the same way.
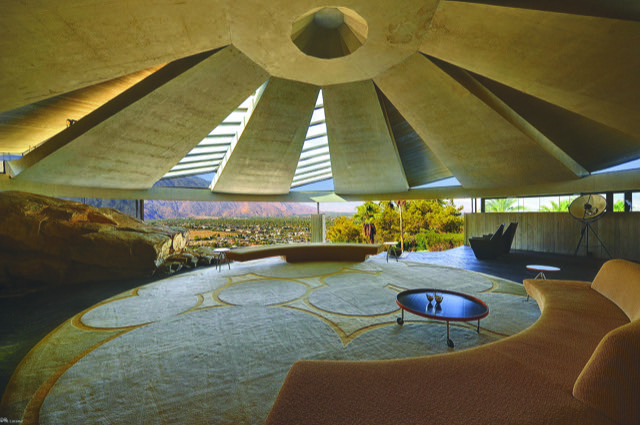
x: 215, y: 347
x: 357, y: 294
x: 262, y: 292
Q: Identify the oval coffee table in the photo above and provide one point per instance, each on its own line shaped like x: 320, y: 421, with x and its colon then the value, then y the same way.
x: 455, y: 307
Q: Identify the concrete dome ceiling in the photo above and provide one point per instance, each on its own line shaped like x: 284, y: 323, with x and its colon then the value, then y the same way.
x: 507, y: 96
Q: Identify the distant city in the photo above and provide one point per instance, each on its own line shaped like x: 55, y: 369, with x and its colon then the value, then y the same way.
x: 238, y: 232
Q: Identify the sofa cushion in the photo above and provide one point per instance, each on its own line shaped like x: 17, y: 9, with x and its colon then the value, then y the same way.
x: 610, y: 382
x: 619, y: 281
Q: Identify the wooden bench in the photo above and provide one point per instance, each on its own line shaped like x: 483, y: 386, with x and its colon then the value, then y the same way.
x: 307, y: 252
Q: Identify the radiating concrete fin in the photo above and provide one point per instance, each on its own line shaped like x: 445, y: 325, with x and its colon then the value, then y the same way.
x: 588, y: 65
x: 595, y: 183
x: 58, y: 47
x: 615, y: 9
x: 364, y: 157
x: 494, y: 102
x: 472, y: 140
x: 420, y: 165
x: 23, y: 128
x: 133, y: 140
x: 578, y: 136
x: 265, y: 157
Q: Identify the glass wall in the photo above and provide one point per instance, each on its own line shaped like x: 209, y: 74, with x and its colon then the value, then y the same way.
x: 556, y: 203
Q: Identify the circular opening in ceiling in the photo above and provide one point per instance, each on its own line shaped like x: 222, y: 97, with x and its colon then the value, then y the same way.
x: 329, y: 32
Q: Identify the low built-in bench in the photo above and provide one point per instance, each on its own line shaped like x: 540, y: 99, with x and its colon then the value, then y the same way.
x: 307, y: 252
x: 578, y: 364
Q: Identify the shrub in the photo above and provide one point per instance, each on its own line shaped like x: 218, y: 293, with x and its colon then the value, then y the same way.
x: 344, y: 229
x: 432, y: 241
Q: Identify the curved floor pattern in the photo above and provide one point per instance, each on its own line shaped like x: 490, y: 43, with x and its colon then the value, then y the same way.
x: 214, y: 347
x: 262, y: 292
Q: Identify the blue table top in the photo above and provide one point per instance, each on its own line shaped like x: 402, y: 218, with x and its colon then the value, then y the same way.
x: 455, y: 306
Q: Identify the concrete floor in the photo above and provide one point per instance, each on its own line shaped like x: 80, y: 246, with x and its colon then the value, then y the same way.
x: 514, y: 265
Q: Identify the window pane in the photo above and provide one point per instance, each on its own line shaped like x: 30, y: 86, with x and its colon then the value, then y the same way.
x: 618, y: 202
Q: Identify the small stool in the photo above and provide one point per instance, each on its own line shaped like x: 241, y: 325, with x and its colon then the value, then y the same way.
x: 392, y: 246
x: 222, y: 255
x: 541, y: 269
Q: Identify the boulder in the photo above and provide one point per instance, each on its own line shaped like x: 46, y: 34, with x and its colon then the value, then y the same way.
x: 206, y: 256
x: 55, y: 241
x: 170, y: 267
x: 188, y: 260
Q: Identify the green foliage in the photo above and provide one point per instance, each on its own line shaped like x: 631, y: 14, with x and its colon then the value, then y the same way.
x: 561, y: 206
x: 387, y: 223
x: 432, y: 241
x: 436, y: 215
x: 344, y: 229
x: 367, y: 212
x: 501, y: 205
x: 618, y: 206
x: 433, y: 216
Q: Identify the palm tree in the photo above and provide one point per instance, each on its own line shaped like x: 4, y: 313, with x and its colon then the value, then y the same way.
x: 401, y: 204
x: 501, y: 205
x: 560, y: 206
x: 366, y: 213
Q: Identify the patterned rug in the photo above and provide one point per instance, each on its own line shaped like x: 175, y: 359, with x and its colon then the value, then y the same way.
x: 215, y: 346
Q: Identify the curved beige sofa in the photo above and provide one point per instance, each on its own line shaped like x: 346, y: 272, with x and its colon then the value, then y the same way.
x: 578, y: 364
x: 306, y: 252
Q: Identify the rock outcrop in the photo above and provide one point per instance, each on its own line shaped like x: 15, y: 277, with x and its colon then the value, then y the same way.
x: 55, y: 241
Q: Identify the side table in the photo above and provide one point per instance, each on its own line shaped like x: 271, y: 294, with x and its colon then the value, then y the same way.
x: 222, y: 256
x: 541, y: 269
x: 391, y: 246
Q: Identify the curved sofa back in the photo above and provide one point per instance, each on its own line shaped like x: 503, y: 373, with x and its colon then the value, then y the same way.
x: 610, y: 381
x: 619, y: 281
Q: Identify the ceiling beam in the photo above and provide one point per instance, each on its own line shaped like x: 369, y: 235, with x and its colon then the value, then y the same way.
x: 265, y: 157
x: 588, y: 65
x: 477, y: 144
x: 592, y: 144
x: 24, y: 128
x: 616, y: 9
x: 364, y: 157
x: 58, y: 47
x: 596, y: 183
x: 481, y: 92
x: 420, y: 165
x: 133, y: 140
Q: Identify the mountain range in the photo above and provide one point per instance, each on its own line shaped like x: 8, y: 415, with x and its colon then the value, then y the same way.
x: 174, y: 209
x: 155, y: 210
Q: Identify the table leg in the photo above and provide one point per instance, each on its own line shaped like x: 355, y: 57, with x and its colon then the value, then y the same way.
x: 539, y: 276
x: 449, y: 342
x: 400, y: 320
x: 478, y: 330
